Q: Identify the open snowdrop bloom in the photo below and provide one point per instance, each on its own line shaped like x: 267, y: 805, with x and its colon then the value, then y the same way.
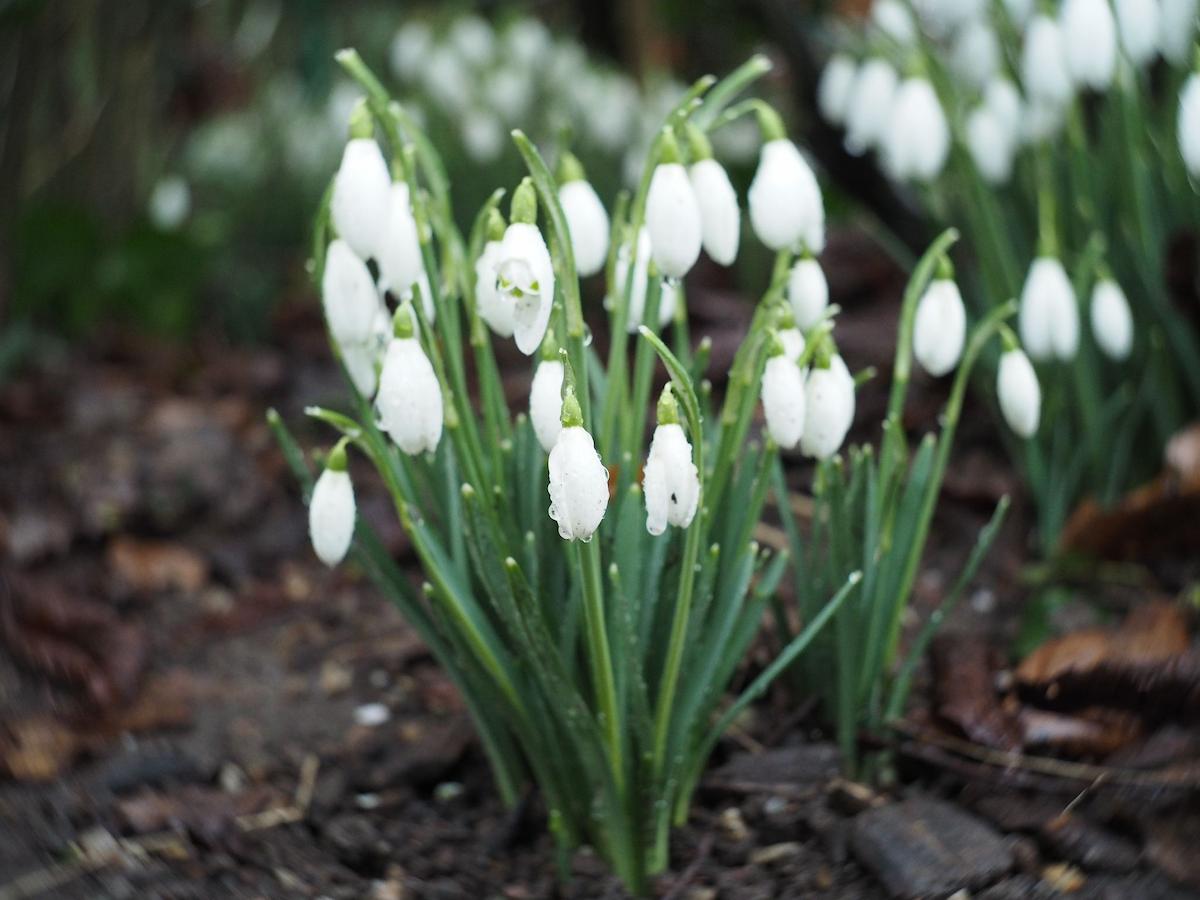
x: 1188, y: 124
x: 672, y: 213
x: 720, y: 217
x: 940, y: 327
x: 1044, y: 71
x: 578, y: 484
x: 409, y: 401
x: 1019, y: 393
x: 870, y: 105
x: 1089, y: 37
x: 893, y: 19
x: 828, y: 409
x: 360, y: 204
x: 525, y: 272
x: 1049, y: 316
x: 917, y: 139
x: 331, y: 510
x: 1138, y: 26
x: 835, y: 87
x: 976, y: 53
x: 785, y: 201
x: 348, y: 294
x: 668, y: 298
x: 587, y: 220
x: 399, y: 250
x: 1112, y: 322
x: 808, y: 292
x: 1177, y: 27
x: 496, y: 310
x: 545, y: 396
x: 670, y: 480
x: 990, y: 145
x: 783, y: 399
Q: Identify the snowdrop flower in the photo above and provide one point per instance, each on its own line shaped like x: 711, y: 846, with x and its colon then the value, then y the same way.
x: 1112, y: 322
x: 1044, y: 69
x: 527, y: 41
x: 870, y: 105
x: 893, y: 19
x: 409, y: 402
x: 943, y: 17
x: 347, y: 294
x: 976, y: 53
x: 1138, y: 25
x: 1041, y: 122
x: 1049, y: 316
x: 1004, y: 100
x: 991, y: 147
x: 331, y: 510
x: 1188, y: 124
x: 362, y: 358
x: 720, y: 216
x: 509, y: 92
x: 917, y: 139
x: 783, y: 399
x: 785, y: 201
x: 545, y: 398
x: 525, y: 272
x: 472, y: 37
x: 808, y: 292
x: 482, y: 136
x: 792, y: 341
x: 587, y: 220
x: 1177, y: 27
x: 1089, y: 37
x: 829, y: 409
x: 672, y: 213
x: 398, y: 249
x: 641, y: 274
x: 835, y: 87
x: 1019, y: 11
x: 1019, y: 393
x: 447, y: 81
x: 409, y: 47
x: 940, y: 328
x: 670, y: 480
x: 496, y: 310
x: 578, y: 484
x: 359, y: 206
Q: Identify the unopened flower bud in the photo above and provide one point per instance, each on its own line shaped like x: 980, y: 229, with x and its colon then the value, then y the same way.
x: 940, y: 328
x: 1019, y: 394
x: 347, y: 294
x: 331, y: 511
x: 670, y: 480
x: 1138, y: 23
x: 1049, y: 315
x: 1089, y: 37
x: 870, y: 105
x: 545, y: 402
x: 834, y: 89
x: 916, y: 141
x: 673, y: 216
x: 783, y: 400
x: 1112, y: 322
x: 720, y: 217
x: 578, y: 485
x: 829, y: 409
x: 1044, y: 71
x: 410, y: 398
x: 808, y: 292
x: 359, y: 206
x: 587, y: 220
x: 786, y: 207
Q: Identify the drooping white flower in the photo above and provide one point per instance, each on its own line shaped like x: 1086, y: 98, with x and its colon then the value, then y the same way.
x: 808, y: 292
x: 670, y: 480
x: 870, y: 105
x: 720, y: 216
x: 1049, y: 316
x: 527, y: 41
x: 578, y: 484
x: 829, y: 409
x: 497, y: 311
x: 990, y: 145
x: 474, y: 40
x: 792, y: 341
x: 1003, y: 99
x: 668, y: 298
x: 976, y: 53
x: 398, y: 249
x: 509, y: 93
x: 1188, y: 124
x: 1177, y: 28
x: 409, y: 46
x: 363, y: 358
x: 917, y: 139
x: 409, y: 401
x: 893, y: 19
x: 525, y: 277
x: 587, y: 222
x: 545, y: 402
x: 1089, y: 37
x: 360, y: 203
x: 673, y: 220
x: 1019, y: 393
x: 835, y: 87
x: 1044, y: 71
x: 331, y: 511
x: 449, y: 83
x: 940, y: 327
x: 347, y: 294
x: 1138, y: 25
x: 1112, y: 322
x: 783, y: 400
x: 786, y: 207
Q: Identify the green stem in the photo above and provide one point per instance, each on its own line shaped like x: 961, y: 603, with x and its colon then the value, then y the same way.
x: 600, y: 656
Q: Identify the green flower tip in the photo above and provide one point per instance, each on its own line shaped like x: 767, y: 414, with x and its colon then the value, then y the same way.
x: 495, y: 225
x: 823, y: 353
x: 572, y: 415
x: 468, y: 491
x: 549, y: 347
x: 402, y: 322
x: 668, y: 408
x: 336, y: 460
x: 1008, y: 339
x: 699, y: 145
x: 570, y: 168
x: 524, y: 202
x: 769, y: 122
x: 361, y: 123
x: 668, y: 147
x: 945, y: 268
x: 784, y: 317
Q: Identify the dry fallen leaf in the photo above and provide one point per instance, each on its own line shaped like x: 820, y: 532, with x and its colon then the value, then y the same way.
x: 965, y: 694
x: 148, y: 566
x: 37, y: 748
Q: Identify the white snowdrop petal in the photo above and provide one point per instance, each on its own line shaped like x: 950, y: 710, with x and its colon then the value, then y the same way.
x: 668, y: 298
x: 671, y: 482
x: 1177, y: 28
x: 720, y: 217
x: 792, y: 340
x: 545, y: 402
x: 399, y: 249
x: 1003, y: 99
x: 990, y: 146
x: 1019, y: 393
x: 808, y: 292
x: 785, y: 200
x: 347, y: 294
x: 1044, y: 71
x: 893, y: 19
x: 359, y: 206
x: 1111, y: 319
x: 1138, y: 24
x: 496, y: 310
x: 1189, y: 124
x: 829, y: 411
x: 870, y: 105
x: 783, y: 399
x: 1049, y: 316
x: 835, y: 87
x: 525, y: 276
x: 578, y: 485
x: 673, y: 220
x: 976, y: 53
x: 409, y: 401
x: 940, y: 327
x: 331, y: 513
x: 1089, y: 36
x: 587, y: 222
x: 916, y: 141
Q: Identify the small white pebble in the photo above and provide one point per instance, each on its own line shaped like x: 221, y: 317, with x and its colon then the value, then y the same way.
x: 367, y: 801
x: 372, y: 715
x: 983, y: 601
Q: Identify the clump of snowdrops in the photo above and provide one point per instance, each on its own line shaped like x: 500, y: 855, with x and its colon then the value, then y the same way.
x: 1066, y: 138
x: 590, y: 595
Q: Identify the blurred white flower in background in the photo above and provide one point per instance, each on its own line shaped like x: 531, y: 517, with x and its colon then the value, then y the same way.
x: 916, y: 141
x: 1111, y: 319
x: 991, y: 146
x: 870, y: 105
x: 835, y: 87
x: 410, y: 45
x: 473, y: 38
x: 1188, y: 124
x: 1177, y: 27
x: 170, y: 203
x: 483, y: 136
x: 1138, y: 22
x: 893, y: 19
x: 975, y: 55
x: 1089, y: 37
x: 1044, y: 72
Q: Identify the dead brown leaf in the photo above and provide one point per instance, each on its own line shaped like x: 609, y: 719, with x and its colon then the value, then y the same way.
x: 148, y: 566
x: 965, y: 694
x: 37, y: 748
x: 203, y: 811
x: 1095, y: 732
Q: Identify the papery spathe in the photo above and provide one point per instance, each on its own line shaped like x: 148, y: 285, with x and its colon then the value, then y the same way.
x: 1049, y: 315
x: 720, y: 216
x: 587, y: 221
x: 578, y: 485
x: 1019, y: 393
x: 360, y: 205
x: 673, y: 220
x: 525, y: 277
x: 409, y: 401
x: 670, y: 480
x: 940, y: 327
